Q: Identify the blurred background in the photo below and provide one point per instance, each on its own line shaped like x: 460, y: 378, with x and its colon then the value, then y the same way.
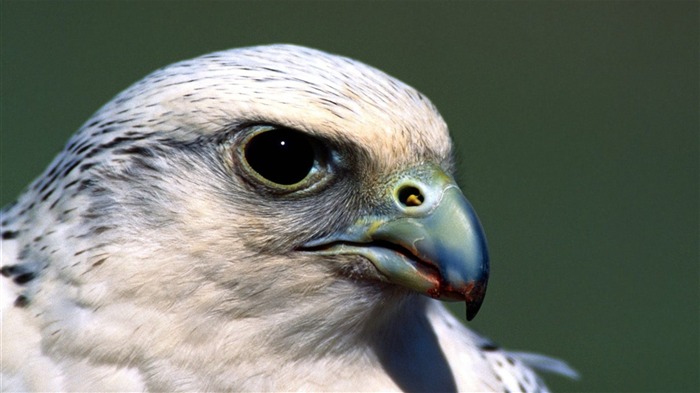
x: 576, y: 126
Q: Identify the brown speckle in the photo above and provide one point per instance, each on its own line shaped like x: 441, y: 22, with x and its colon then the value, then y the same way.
x: 21, y: 301
x: 98, y: 263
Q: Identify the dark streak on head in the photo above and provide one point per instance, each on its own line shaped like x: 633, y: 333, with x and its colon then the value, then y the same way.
x: 21, y: 274
x: 24, y: 278
x: 7, y: 235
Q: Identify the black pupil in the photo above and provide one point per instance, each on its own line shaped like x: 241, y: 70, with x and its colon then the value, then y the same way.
x: 281, y: 156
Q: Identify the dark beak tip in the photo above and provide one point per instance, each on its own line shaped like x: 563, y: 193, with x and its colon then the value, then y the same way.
x: 472, y: 310
x: 474, y: 298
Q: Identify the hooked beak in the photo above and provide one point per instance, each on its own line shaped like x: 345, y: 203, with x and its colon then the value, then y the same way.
x: 425, y: 236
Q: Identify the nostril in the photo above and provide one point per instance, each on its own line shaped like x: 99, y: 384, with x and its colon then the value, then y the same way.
x: 410, y: 196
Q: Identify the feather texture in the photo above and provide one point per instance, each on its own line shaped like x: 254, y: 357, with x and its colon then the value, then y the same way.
x: 150, y: 257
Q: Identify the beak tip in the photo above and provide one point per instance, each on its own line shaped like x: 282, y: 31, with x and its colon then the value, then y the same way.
x: 474, y: 297
x: 472, y: 310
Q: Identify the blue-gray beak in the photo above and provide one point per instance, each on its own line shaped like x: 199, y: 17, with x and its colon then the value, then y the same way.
x: 426, y: 237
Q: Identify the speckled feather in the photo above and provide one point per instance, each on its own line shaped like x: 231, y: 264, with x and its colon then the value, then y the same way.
x: 142, y: 260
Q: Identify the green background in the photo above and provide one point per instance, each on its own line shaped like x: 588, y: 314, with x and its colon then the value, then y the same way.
x: 576, y: 125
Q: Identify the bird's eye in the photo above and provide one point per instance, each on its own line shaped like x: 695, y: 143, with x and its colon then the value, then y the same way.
x: 283, y: 157
x: 280, y: 155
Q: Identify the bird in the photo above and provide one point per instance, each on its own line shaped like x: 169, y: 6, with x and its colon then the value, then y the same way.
x: 265, y: 218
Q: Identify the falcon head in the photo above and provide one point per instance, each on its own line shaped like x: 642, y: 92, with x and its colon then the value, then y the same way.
x: 274, y: 183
